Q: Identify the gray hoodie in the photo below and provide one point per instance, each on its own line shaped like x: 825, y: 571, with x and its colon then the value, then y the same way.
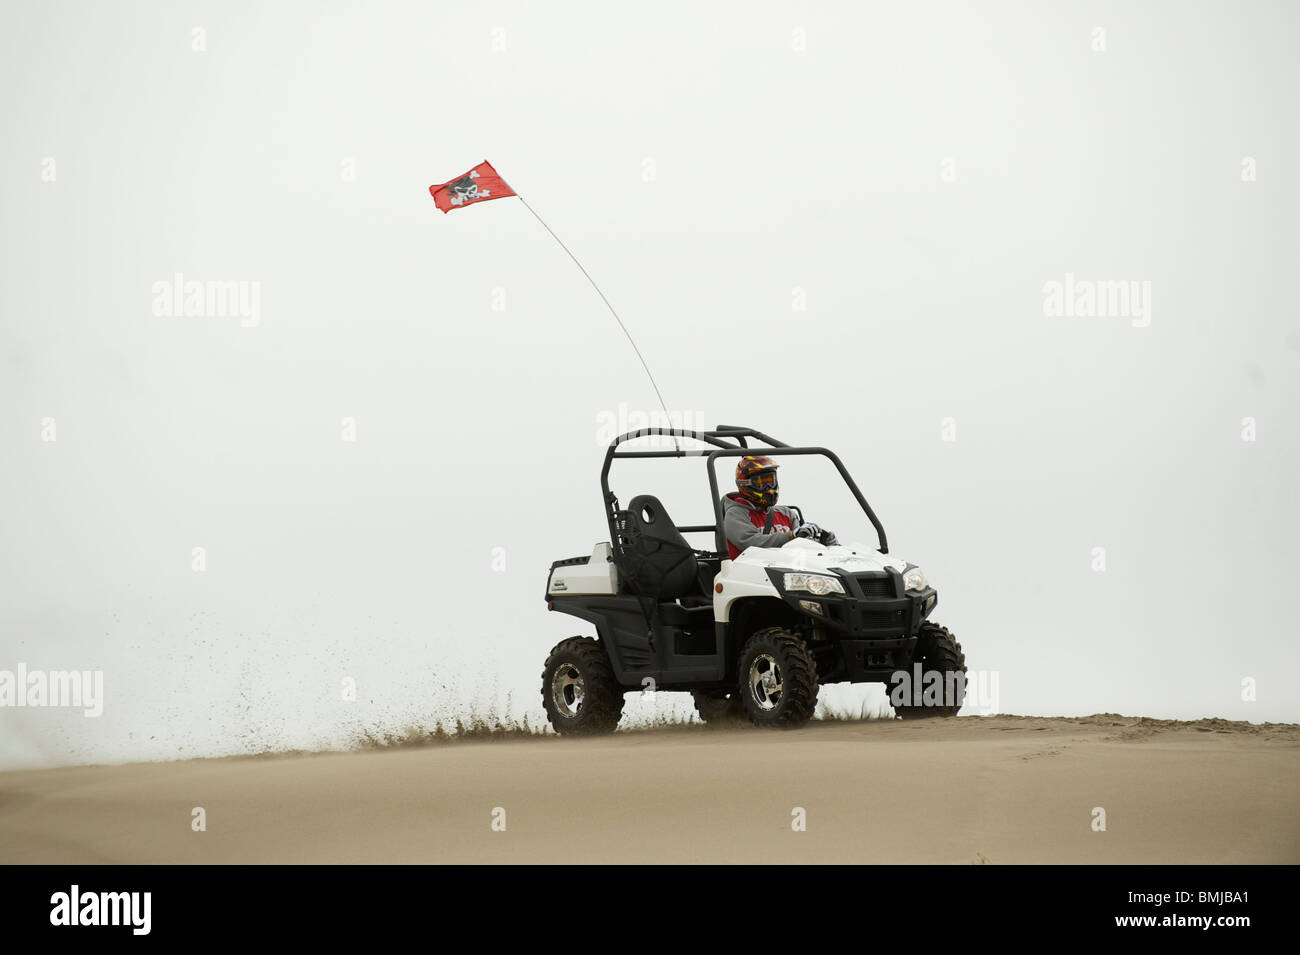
x: 739, y: 529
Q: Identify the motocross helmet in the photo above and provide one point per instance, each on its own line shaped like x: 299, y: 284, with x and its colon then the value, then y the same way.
x: 756, y: 480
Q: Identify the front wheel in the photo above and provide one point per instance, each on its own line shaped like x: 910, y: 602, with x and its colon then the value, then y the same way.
x: 778, y: 679
x: 579, y: 692
x: 940, y: 686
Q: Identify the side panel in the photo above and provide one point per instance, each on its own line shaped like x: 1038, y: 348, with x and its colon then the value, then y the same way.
x: 621, y: 627
x: 595, y: 575
x: 623, y: 630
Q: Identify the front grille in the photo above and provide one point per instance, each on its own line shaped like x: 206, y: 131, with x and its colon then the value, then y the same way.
x: 880, y: 621
x: 877, y: 586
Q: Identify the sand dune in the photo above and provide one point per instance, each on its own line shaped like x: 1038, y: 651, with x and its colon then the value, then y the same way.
x: 998, y: 789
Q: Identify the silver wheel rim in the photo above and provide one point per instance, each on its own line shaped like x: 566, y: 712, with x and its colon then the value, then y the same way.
x: 765, y: 681
x: 567, y: 690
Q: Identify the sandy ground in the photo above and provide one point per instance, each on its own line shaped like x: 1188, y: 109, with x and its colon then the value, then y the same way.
x: 971, y: 790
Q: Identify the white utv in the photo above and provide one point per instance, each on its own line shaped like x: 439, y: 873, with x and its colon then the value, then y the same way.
x: 752, y: 637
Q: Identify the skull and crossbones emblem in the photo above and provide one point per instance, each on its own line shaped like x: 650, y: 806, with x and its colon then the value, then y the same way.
x: 465, y: 189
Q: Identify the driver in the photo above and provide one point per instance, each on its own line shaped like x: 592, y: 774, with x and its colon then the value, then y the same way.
x: 752, y: 518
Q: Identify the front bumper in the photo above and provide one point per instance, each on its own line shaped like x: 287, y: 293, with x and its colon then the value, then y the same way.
x: 875, y: 621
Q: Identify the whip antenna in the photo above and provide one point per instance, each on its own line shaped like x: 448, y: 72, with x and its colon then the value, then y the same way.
x: 483, y: 183
x: 648, y: 373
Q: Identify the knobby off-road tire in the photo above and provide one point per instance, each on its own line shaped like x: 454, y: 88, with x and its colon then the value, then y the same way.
x: 936, y: 650
x: 718, y: 706
x: 777, y: 679
x: 579, y: 692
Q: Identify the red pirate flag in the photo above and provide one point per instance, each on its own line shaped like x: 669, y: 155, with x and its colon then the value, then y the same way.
x: 478, y: 185
x: 482, y: 183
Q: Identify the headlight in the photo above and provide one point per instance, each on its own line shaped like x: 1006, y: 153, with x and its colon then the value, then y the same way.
x: 814, y: 583
x: 914, y: 579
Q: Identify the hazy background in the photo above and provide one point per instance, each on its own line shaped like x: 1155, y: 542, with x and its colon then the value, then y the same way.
x: 919, y: 170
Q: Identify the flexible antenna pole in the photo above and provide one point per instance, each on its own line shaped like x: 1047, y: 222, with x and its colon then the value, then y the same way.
x: 631, y: 341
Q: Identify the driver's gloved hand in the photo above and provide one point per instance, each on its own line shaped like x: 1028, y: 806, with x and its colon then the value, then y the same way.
x: 809, y: 531
x: 826, y: 538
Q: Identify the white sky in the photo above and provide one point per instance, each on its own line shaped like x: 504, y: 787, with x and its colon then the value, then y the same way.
x: 774, y: 169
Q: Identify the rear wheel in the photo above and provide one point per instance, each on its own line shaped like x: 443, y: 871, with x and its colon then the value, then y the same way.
x: 579, y: 692
x: 718, y: 706
x: 778, y: 679
x: 938, y: 651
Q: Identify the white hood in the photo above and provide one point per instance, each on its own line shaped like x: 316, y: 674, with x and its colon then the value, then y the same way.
x: 800, y: 554
x: 746, y: 576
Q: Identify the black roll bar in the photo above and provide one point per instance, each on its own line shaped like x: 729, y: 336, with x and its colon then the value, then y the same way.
x: 786, y: 450
x: 728, y: 441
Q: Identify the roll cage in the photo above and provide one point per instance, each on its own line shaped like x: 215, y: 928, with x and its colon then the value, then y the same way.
x: 726, y: 441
